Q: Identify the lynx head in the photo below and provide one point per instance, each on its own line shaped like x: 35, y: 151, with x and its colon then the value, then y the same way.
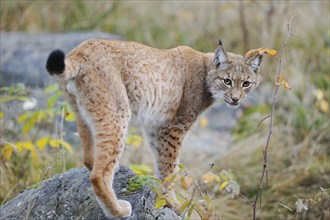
x: 233, y: 76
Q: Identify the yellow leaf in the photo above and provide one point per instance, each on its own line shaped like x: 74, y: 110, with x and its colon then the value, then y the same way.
x: 208, y: 178
x: 271, y: 52
x: 57, y: 143
x: 1, y: 114
x: 28, y: 125
x: 169, y: 200
x: 319, y: 94
x: 54, y: 143
x: 186, y: 181
x: 168, y: 181
x: 207, y: 199
x: 203, y: 122
x: 160, y: 203
x: 7, y: 151
x: 50, y: 113
x: 42, y: 142
x: 134, y: 140
x: 217, y: 178
x: 268, y: 51
x: 202, y: 211
x: 324, y: 106
x: 252, y: 52
x: 67, y: 146
x: 28, y: 145
x: 286, y: 85
x: 34, y: 156
x: 41, y: 115
x: 280, y: 80
x: 184, y: 206
x: 22, y: 118
x: 223, y: 185
x: 70, y: 116
x: 191, y: 209
x: 51, y: 88
x: 140, y: 169
x: 224, y: 175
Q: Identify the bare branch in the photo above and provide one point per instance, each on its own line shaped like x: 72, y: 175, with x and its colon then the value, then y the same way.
x: 264, y: 173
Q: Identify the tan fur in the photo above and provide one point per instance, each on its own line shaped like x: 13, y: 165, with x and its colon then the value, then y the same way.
x: 111, y: 83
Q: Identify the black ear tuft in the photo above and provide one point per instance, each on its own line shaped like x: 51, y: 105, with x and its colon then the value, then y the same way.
x: 220, y: 42
x: 55, y: 62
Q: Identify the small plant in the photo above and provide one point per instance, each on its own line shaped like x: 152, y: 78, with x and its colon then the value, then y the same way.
x: 199, y: 194
x: 28, y: 135
x: 320, y: 203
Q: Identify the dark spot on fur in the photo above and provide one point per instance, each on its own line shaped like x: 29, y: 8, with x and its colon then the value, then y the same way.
x: 173, y: 137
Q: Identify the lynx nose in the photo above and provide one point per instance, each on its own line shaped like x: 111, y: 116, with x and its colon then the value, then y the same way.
x: 235, y: 100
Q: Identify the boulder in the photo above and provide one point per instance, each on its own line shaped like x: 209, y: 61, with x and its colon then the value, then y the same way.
x: 24, y: 55
x: 70, y: 196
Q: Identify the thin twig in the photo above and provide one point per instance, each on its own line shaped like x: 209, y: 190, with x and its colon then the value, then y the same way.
x: 263, y: 120
x: 265, y: 151
x: 190, y: 201
x: 61, y: 137
x: 246, y: 199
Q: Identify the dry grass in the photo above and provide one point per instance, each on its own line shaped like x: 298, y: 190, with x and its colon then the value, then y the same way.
x: 299, y: 152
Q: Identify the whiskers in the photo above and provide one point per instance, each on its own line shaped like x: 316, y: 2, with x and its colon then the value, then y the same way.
x: 219, y: 96
x: 251, y: 99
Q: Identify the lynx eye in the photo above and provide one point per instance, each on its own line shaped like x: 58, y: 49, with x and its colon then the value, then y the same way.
x: 246, y: 84
x: 227, y: 81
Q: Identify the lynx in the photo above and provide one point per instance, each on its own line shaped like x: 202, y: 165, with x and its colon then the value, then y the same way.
x: 110, y: 84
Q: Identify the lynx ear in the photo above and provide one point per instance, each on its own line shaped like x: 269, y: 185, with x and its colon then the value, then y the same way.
x: 221, y: 58
x: 254, y: 62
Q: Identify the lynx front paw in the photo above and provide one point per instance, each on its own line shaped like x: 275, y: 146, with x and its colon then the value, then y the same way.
x: 126, y: 208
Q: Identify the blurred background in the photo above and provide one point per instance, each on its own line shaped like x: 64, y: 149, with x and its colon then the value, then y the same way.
x: 38, y: 136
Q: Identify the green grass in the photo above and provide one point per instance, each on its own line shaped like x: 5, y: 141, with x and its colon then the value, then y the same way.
x: 299, y: 154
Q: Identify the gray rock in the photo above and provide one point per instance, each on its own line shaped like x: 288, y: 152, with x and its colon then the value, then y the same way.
x: 24, y: 55
x: 69, y: 196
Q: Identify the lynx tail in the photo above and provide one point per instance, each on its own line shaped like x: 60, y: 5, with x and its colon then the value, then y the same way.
x: 55, y: 62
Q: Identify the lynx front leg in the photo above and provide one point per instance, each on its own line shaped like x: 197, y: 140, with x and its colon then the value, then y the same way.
x: 166, y: 145
x: 167, y: 149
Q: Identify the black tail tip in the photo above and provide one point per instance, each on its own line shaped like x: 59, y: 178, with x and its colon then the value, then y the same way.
x: 55, y: 62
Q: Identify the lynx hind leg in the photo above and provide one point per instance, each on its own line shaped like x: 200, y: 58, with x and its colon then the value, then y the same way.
x: 83, y: 129
x: 109, y: 143
x: 107, y: 111
x: 87, y: 142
